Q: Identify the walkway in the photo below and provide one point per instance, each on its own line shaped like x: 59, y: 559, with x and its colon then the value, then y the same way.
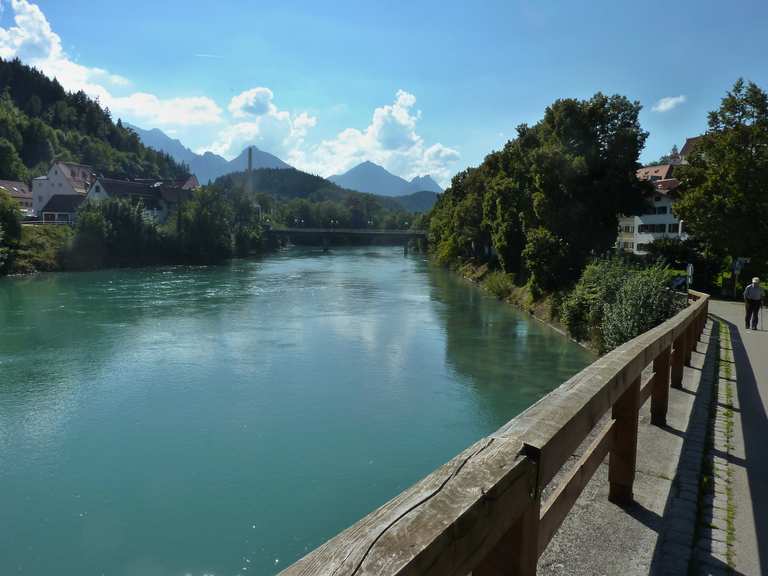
x: 750, y: 465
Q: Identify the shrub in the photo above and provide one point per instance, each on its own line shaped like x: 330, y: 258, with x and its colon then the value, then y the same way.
x: 42, y: 248
x: 643, y: 302
x: 582, y: 309
x: 499, y: 284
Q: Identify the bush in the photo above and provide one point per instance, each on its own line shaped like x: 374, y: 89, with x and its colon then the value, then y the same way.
x: 582, y: 309
x: 643, y: 302
x: 42, y: 248
x: 499, y: 284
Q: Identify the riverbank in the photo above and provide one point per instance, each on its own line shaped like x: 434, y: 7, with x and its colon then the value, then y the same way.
x: 544, y: 309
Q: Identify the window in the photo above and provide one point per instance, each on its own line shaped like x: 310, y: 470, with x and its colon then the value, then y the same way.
x: 652, y: 228
x: 629, y: 229
x: 674, y: 228
x: 654, y: 178
x: 661, y: 210
x: 657, y: 199
x: 642, y: 247
x: 48, y: 217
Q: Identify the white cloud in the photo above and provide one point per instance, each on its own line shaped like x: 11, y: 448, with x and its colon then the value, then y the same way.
x: 668, y: 103
x: 390, y: 140
x: 253, y: 102
x: 263, y: 124
x: 33, y: 40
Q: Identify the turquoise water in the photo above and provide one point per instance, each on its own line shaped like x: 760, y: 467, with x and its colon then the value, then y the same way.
x: 226, y: 420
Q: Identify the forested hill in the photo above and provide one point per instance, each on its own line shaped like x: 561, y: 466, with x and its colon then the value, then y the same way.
x: 290, y: 184
x: 40, y: 121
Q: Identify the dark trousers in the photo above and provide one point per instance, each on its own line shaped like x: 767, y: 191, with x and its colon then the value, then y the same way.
x: 753, y: 311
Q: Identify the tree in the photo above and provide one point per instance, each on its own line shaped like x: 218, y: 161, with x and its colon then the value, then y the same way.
x: 10, y: 230
x: 11, y: 166
x: 724, y: 188
x: 550, y: 200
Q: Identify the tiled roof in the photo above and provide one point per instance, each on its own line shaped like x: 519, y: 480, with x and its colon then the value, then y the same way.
x: 63, y: 203
x: 689, y: 145
x: 115, y: 187
x: 659, y: 171
x: 16, y: 189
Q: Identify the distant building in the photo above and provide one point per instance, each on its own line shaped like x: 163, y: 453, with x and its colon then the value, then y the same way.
x: 61, y: 209
x: 63, y: 179
x: 157, y: 198
x: 636, y: 232
x: 19, y: 191
x: 690, y: 144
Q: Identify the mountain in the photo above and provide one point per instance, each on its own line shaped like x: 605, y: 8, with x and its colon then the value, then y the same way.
x: 374, y: 179
x: 206, y: 166
x: 421, y: 201
x: 424, y: 183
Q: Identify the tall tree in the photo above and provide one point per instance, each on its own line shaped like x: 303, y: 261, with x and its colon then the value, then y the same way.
x: 724, y: 188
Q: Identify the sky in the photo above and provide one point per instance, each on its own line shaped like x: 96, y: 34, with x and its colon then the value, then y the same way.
x: 420, y: 87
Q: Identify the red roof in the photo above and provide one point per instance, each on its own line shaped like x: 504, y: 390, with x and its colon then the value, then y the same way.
x: 657, y: 172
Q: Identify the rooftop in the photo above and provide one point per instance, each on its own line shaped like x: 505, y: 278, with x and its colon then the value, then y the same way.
x: 63, y: 203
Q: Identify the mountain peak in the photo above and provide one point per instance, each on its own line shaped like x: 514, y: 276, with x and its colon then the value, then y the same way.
x: 374, y: 179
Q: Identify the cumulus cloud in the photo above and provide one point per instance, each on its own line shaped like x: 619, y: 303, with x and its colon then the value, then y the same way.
x: 32, y: 40
x: 390, y: 140
x: 262, y: 124
x: 668, y: 103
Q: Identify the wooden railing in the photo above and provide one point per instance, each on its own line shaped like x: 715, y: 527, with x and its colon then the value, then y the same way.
x: 482, y: 512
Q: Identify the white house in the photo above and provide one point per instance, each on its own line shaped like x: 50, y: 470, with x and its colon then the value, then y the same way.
x: 63, y: 178
x: 636, y: 232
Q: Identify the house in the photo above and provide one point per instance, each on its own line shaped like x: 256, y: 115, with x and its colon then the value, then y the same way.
x: 189, y: 183
x: 19, y: 191
x: 690, y: 144
x: 657, y: 172
x: 157, y: 198
x: 636, y: 232
x: 61, y: 209
x: 63, y: 178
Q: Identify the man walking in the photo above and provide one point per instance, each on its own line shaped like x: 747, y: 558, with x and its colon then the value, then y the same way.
x: 753, y: 300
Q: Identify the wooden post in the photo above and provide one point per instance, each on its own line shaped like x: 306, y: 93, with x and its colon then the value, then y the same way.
x: 678, y: 359
x: 690, y: 343
x: 621, y: 465
x: 660, y: 391
x: 517, y: 553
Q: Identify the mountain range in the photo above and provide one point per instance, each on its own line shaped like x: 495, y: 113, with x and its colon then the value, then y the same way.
x: 207, y: 166
x: 417, y: 195
x: 374, y: 179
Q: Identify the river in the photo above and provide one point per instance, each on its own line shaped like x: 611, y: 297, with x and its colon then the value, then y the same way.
x: 226, y: 420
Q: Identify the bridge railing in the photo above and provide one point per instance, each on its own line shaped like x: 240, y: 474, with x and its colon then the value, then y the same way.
x: 483, y: 511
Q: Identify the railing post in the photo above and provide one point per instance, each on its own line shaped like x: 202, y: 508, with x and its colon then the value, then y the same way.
x: 517, y: 553
x: 690, y: 343
x: 621, y: 464
x: 678, y: 359
x: 660, y: 391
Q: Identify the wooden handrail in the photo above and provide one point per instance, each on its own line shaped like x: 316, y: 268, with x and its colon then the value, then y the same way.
x: 481, y: 512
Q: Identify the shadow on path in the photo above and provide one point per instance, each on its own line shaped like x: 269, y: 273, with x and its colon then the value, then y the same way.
x: 754, y: 423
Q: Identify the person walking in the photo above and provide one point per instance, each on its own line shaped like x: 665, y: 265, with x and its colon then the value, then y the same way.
x: 753, y: 301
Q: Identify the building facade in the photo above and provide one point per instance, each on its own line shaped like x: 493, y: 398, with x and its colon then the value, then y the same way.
x: 61, y: 209
x: 637, y: 232
x: 63, y: 179
x: 157, y: 198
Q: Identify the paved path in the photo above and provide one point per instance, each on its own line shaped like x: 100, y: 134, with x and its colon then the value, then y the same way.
x: 750, y: 464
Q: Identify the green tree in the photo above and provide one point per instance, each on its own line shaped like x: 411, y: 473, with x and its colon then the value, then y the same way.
x: 724, y: 188
x: 10, y: 230
x: 11, y: 166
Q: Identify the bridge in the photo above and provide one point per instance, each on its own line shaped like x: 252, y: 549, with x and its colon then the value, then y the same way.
x: 325, y: 235
x: 364, y: 232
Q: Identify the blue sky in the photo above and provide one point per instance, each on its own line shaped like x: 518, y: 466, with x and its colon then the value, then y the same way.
x: 420, y: 87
